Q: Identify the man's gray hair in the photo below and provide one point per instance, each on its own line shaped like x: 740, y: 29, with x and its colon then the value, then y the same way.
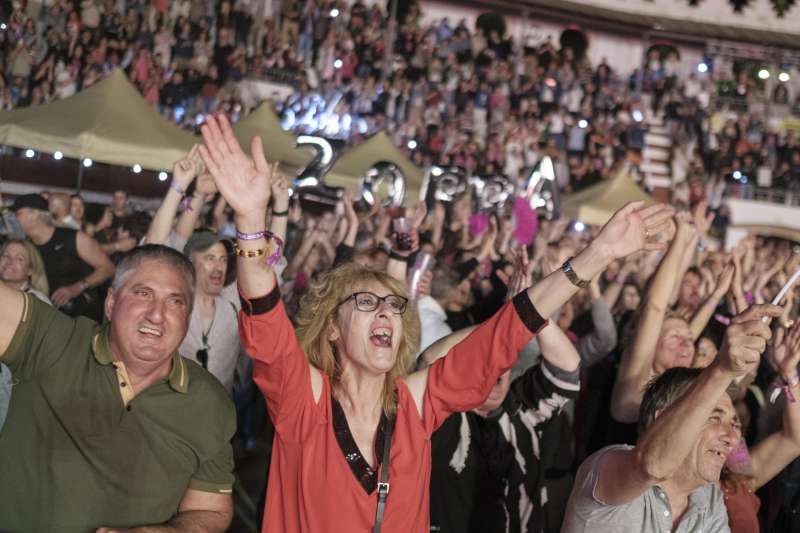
x: 663, y: 391
x: 445, y: 280
x: 154, y: 252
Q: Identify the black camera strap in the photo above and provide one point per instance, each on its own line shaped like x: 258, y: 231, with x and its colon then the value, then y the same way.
x: 383, y: 484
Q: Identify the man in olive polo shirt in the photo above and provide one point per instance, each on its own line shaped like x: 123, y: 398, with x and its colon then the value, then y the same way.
x: 108, y: 426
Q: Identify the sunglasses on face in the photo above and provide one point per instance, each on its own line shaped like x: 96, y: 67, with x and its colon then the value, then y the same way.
x: 368, y: 302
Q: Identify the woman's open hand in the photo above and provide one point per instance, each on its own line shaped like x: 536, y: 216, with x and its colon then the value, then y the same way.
x: 633, y: 228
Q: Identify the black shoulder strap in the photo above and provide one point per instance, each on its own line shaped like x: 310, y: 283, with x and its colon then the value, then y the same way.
x: 383, y: 484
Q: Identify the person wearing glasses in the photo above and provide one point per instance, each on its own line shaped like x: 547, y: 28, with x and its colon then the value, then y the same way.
x: 352, y: 449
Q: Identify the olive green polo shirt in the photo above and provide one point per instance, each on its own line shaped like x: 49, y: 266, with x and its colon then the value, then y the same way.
x: 75, y: 456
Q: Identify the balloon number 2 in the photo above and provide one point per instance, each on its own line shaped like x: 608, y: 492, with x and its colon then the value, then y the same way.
x: 309, y: 185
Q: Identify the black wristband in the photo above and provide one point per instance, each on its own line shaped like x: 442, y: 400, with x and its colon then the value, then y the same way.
x: 264, y: 304
x: 280, y: 213
x: 397, y: 257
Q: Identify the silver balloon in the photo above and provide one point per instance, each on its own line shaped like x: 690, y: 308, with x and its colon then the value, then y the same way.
x: 327, y: 152
x: 541, y: 189
x: 443, y: 184
x: 383, y: 183
x: 491, y: 191
x: 309, y: 185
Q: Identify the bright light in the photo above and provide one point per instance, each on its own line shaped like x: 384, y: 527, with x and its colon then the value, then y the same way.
x: 3, y: 26
x: 702, y: 68
x: 334, y: 12
x: 412, y: 144
x: 337, y: 64
x: 783, y: 77
x: 437, y: 171
x: 637, y: 115
x: 579, y: 226
x: 58, y: 156
x: 763, y: 74
x: 550, y: 82
x: 737, y: 175
x: 162, y: 176
x: 582, y: 124
x: 29, y: 153
x: 87, y: 162
x: 137, y: 168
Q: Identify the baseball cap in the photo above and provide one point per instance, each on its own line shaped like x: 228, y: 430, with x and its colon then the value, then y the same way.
x: 200, y: 241
x: 32, y: 201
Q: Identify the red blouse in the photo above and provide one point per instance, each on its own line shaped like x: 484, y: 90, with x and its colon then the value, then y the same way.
x: 311, y: 485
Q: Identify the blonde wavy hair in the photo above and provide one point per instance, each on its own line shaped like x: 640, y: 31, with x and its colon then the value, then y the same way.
x: 38, y: 277
x: 318, y: 313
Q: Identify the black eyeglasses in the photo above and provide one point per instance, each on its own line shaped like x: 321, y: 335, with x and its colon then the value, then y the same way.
x: 368, y: 302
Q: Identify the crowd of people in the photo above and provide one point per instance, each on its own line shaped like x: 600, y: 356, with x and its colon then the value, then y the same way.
x: 631, y: 377
x: 452, y: 94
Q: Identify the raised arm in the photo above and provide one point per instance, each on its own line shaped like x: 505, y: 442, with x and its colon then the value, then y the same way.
x: 246, y: 183
x: 280, y: 206
x: 701, y: 223
x: 662, y: 449
x: 280, y: 368
x: 462, y: 380
x: 774, y: 453
x: 637, y: 360
x: 183, y: 172
x: 632, y: 228
x: 204, y: 190
x: 705, y: 311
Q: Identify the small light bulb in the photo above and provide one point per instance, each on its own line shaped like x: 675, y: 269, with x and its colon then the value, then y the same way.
x: 412, y: 144
x: 58, y: 156
x: 763, y: 74
x: 29, y: 153
x: 162, y: 176
x: 87, y: 162
x: 137, y: 168
x: 337, y: 64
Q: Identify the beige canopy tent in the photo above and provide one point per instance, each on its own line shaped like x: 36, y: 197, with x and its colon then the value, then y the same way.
x: 109, y: 122
x: 353, y: 164
x: 596, y: 204
x: 279, y: 145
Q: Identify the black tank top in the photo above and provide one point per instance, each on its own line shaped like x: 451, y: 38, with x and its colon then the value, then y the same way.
x: 62, y: 263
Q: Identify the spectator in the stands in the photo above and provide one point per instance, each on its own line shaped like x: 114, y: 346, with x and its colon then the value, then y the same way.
x: 74, y: 263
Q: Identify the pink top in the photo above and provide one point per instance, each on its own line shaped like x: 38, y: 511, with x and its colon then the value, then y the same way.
x: 311, y: 485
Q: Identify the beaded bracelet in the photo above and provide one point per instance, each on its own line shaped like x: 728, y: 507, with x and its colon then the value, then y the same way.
x: 249, y: 253
x: 273, y: 259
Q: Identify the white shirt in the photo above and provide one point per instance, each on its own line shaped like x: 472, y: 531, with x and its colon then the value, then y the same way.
x: 433, y: 322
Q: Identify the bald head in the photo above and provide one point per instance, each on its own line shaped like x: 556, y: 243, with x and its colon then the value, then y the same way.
x: 58, y: 204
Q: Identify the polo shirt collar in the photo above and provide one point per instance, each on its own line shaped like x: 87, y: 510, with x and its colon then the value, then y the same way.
x: 178, y: 378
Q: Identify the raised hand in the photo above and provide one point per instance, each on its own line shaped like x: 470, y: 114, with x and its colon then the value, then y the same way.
x: 786, y: 351
x: 634, y: 228
x: 521, y: 276
x: 702, y: 221
x: 244, y: 181
x: 746, y: 339
x: 279, y: 191
x: 185, y: 169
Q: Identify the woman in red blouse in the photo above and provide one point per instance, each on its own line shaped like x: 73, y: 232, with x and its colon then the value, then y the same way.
x: 334, y: 389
